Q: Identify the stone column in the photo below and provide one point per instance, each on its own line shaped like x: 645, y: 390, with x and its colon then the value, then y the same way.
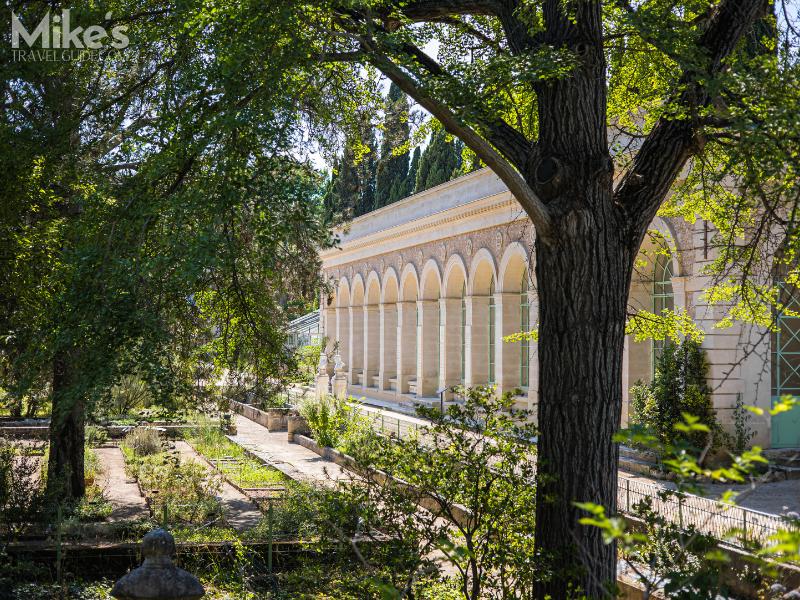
x: 477, y: 330
x: 330, y: 332
x: 371, y: 343
x: 428, y: 347
x: 406, y: 344
x: 355, y: 361
x: 343, y: 330
x: 388, y: 345
x: 450, y: 342
x: 507, y: 354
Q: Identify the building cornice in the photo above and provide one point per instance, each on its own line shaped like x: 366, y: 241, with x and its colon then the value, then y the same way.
x: 496, y: 209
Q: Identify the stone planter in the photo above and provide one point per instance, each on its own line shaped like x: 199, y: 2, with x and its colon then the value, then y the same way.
x: 277, y: 419
x: 297, y: 425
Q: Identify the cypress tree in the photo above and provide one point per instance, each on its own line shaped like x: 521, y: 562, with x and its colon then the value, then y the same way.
x: 392, y: 169
x: 440, y: 162
x: 342, y: 196
x: 367, y: 168
x: 351, y: 190
x: 411, y: 178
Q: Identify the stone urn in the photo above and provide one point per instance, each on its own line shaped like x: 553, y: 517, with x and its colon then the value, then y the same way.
x: 158, y: 578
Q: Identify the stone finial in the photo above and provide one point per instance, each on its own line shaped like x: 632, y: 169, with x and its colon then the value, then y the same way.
x: 158, y: 578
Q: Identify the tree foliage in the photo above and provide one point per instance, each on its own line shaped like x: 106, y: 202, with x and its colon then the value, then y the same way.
x: 440, y: 161
x: 153, y: 212
x: 391, y: 178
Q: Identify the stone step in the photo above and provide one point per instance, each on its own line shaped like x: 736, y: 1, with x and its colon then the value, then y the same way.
x: 783, y: 472
x: 789, y: 457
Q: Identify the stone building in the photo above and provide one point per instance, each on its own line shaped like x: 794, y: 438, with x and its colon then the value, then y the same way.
x: 425, y: 290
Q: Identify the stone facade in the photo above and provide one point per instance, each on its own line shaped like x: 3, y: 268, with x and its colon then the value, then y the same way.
x: 424, y: 290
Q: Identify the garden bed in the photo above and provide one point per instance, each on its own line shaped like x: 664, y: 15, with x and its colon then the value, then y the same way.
x: 250, y: 476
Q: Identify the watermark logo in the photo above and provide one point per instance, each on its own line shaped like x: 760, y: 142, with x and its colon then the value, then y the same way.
x: 54, y: 38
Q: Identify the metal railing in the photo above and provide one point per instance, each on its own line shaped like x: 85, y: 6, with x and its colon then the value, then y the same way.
x: 734, y: 525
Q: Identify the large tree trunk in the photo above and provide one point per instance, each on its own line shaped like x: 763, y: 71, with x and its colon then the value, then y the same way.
x: 583, y: 281
x: 65, y: 476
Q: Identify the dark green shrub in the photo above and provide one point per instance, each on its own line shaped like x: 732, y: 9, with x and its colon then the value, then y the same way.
x: 679, y: 386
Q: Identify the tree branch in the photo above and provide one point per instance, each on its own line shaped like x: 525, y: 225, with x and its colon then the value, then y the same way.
x: 428, y: 10
x: 674, y: 140
x: 510, y: 142
x: 533, y: 206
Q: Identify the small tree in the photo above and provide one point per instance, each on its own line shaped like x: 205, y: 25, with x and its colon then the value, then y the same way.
x: 452, y: 493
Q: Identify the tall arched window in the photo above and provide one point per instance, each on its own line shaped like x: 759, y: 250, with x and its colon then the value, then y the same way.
x: 663, y: 298
x: 524, y: 326
x: 491, y: 332
x: 785, y: 349
x: 463, y: 331
x: 786, y: 342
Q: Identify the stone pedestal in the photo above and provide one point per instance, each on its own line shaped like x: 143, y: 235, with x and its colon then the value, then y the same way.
x: 323, y: 381
x: 340, y: 386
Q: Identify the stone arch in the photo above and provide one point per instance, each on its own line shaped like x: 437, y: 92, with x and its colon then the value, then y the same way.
x: 428, y: 330
x: 373, y: 287
x: 455, y: 277
x: 482, y: 271
x: 666, y: 229
x: 513, y: 266
x: 343, y: 293
x: 387, y: 370
x: 356, y: 361
x: 652, y: 290
x: 357, y: 291
x: 372, y: 330
x: 390, y: 288
x: 452, y: 364
x: 513, y: 316
x: 430, y: 281
x: 407, y: 340
x: 481, y: 319
x: 342, y: 334
x: 409, y: 283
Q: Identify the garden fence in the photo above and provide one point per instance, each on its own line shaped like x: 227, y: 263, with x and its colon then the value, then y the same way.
x: 734, y: 525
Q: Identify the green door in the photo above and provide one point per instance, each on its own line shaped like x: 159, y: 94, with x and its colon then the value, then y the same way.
x: 786, y: 427
x: 786, y: 369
